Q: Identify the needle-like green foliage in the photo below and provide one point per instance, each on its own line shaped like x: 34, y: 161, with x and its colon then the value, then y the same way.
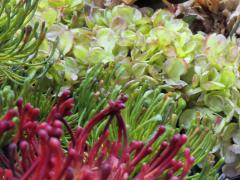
x: 20, y: 40
x: 145, y: 110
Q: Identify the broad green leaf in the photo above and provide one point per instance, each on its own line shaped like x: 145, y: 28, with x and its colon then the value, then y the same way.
x: 139, y: 69
x: 164, y: 37
x: 105, y: 38
x: 66, y: 41
x: 97, y: 55
x: 158, y: 59
x: 175, y: 25
x: 81, y: 53
x: 214, y: 102
x: 187, y: 117
x: 128, y: 13
x: 212, y: 85
x: 118, y: 24
x: 228, y: 78
x: 160, y: 17
x: 50, y: 15
x: 229, y: 130
x: 174, y: 68
x: 127, y: 38
x: 57, y: 3
x: 216, y: 41
x: 71, y: 69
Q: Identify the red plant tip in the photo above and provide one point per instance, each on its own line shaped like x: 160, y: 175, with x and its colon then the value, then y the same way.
x: 86, y: 174
x: 28, y: 107
x: 116, y: 106
x: 6, y: 126
x: 49, y: 129
x: 12, y: 147
x: 43, y: 135
x: 174, y: 178
x: 164, y: 144
x: 30, y: 125
x: 54, y: 143
x: 42, y: 125
x: 179, y: 138
x: 78, y: 132
x: 191, y: 160
x: 66, y: 93
x: 41, y: 155
x: 123, y: 98
x: 120, y: 105
x: 72, y: 152
x: 175, y: 138
x: 24, y: 145
x: 58, y: 132
x: 69, y: 174
x: 183, y: 139
x: 64, y: 96
x: 66, y: 107
x: 177, y: 165
x: 10, y: 114
x: 188, y: 156
x: 135, y: 145
x: 35, y: 112
x: 57, y: 124
x: 148, y: 150
x: 8, y: 174
x: 187, y: 152
x: 161, y: 130
x: 105, y: 170
x: 19, y: 102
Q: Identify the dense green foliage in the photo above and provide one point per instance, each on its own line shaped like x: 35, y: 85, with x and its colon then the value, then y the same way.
x: 187, y: 82
x: 20, y: 41
x: 156, y: 49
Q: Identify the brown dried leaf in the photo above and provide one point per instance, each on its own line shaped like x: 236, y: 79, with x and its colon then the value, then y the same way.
x: 128, y: 1
x: 234, y: 20
x: 211, y: 5
x: 219, y: 16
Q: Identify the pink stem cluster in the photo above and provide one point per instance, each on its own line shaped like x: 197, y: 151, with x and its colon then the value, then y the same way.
x: 36, y: 151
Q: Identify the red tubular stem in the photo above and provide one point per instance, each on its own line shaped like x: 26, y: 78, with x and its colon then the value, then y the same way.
x: 96, y: 147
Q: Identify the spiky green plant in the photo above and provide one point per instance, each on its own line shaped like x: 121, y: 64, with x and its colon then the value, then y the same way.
x: 20, y: 41
x: 145, y: 110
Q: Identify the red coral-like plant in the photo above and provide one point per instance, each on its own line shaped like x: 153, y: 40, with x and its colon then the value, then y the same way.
x: 35, y: 152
